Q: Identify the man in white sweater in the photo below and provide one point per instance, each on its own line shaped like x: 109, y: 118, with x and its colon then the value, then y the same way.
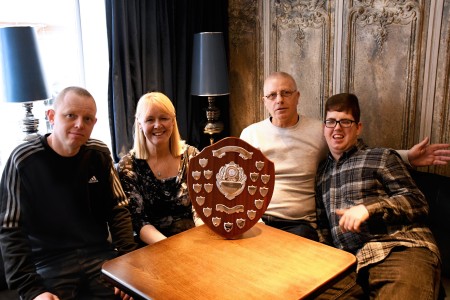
x: 296, y: 146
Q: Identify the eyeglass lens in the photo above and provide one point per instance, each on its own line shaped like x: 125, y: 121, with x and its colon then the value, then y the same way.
x: 344, y: 123
x: 283, y: 94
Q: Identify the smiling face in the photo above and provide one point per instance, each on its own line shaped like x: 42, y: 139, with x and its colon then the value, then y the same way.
x: 283, y: 109
x: 340, y: 139
x: 73, y: 120
x: 157, y: 125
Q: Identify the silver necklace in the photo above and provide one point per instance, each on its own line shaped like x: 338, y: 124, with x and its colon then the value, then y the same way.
x: 154, y: 169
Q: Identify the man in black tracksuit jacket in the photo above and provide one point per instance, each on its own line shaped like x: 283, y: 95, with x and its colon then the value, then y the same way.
x: 60, y: 199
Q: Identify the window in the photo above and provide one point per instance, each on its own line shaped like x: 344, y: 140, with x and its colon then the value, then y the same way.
x: 73, y: 47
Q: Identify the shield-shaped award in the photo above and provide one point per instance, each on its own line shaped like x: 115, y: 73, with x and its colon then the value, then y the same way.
x: 230, y: 186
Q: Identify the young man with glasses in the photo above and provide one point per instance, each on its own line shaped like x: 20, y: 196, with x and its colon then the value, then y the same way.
x: 296, y: 146
x: 368, y: 204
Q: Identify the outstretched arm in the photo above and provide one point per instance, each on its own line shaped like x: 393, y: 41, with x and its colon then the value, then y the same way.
x: 423, y: 154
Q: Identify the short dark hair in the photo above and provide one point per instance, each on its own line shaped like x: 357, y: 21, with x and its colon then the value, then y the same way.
x: 344, y: 102
x: 75, y: 89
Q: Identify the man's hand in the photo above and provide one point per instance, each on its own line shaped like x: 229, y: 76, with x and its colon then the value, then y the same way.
x: 46, y: 296
x: 352, y: 218
x: 422, y: 154
x: 122, y: 294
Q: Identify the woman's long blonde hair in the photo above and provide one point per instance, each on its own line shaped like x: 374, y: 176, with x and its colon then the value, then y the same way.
x: 162, y: 102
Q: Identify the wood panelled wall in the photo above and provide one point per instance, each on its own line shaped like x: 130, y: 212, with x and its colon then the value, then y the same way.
x: 394, y: 55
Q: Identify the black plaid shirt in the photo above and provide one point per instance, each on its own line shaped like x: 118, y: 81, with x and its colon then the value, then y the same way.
x: 377, y: 178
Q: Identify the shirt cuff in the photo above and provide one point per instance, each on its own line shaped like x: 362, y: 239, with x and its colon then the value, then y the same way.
x: 404, y: 155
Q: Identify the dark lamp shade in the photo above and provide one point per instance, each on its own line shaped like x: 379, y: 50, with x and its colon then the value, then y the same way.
x: 209, y: 65
x: 23, y: 79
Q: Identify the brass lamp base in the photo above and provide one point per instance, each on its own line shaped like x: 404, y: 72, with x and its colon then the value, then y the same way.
x: 29, y: 123
x: 213, y: 126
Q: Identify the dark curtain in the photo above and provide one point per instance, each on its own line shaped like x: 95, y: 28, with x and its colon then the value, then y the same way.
x: 150, y: 49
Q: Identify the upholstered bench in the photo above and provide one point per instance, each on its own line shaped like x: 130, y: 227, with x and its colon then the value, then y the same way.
x: 437, y: 191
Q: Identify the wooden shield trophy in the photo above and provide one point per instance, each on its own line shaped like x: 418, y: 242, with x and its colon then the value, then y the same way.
x: 230, y: 184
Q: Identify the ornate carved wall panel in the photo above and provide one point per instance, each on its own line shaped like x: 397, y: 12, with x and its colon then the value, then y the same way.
x: 439, y: 116
x: 299, y: 43
x: 383, y: 51
x: 394, y: 54
x: 245, y: 77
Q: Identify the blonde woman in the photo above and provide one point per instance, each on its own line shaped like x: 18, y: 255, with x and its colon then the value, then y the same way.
x: 153, y: 173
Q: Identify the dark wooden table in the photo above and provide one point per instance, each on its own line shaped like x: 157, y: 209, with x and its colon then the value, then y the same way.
x: 263, y: 263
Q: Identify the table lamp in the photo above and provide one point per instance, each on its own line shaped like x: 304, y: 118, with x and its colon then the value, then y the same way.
x: 23, y: 78
x: 210, y: 75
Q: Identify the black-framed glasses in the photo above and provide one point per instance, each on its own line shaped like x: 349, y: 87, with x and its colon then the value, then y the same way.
x: 345, y: 123
x: 283, y: 93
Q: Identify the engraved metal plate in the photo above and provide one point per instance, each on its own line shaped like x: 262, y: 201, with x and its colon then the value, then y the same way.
x: 231, y: 183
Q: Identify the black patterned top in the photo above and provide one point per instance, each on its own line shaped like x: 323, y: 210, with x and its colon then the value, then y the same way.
x: 163, y: 203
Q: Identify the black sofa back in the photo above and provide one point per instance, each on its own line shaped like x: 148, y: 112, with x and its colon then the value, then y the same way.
x: 437, y: 191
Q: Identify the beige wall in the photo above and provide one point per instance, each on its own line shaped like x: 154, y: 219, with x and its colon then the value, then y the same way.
x: 393, y: 55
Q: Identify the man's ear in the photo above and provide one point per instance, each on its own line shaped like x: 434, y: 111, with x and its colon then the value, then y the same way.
x: 297, y: 94
x: 51, y: 116
x: 359, y: 130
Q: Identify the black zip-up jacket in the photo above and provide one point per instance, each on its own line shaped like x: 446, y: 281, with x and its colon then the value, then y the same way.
x: 51, y: 204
